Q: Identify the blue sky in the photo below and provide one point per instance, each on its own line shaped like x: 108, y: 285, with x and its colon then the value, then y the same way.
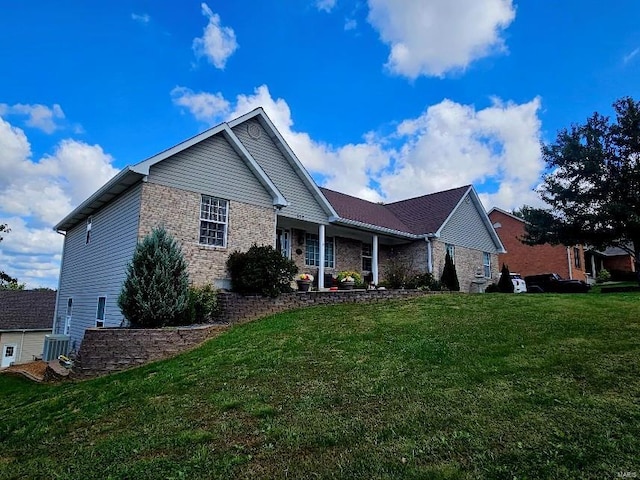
x: 383, y: 99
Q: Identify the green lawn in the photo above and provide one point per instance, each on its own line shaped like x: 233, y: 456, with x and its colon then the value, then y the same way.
x: 447, y: 386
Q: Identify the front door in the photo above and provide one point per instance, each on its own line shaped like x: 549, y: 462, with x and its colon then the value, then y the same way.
x: 9, y: 354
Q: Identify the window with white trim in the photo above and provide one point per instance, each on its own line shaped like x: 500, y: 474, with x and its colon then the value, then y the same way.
x: 576, y: 257
x: 486, y: 263
x: 213, y: 221
x: 451, y: 250
x: 312, y: 251
x: 102, y: 303
x: 89, y: 222
x: 367, y: 256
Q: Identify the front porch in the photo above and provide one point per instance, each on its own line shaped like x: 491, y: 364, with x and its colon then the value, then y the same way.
x: 351, y: 249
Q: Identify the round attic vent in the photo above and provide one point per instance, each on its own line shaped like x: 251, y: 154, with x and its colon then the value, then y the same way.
x: 254, y: 131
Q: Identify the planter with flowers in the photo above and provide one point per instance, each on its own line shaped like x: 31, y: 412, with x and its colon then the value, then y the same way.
x: 304, y: 281
x: 348, y: 279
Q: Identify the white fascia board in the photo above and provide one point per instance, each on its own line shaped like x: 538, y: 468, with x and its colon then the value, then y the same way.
x: 94, y: 202
x: 291, y: 157
x: 511, y: 215
x: 376, y: 228
x: 278, y: 198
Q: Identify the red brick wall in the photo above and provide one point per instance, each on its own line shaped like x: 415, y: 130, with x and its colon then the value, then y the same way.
x: 533, y: 260
x: 623, y: 263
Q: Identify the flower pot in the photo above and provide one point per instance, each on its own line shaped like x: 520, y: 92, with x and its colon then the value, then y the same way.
x: 346, y: 285
x: 303, y: 286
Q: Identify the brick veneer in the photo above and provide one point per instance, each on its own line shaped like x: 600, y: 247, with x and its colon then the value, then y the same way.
x: 467, y: 262
x: 533, y: 260
x: 179, y: 211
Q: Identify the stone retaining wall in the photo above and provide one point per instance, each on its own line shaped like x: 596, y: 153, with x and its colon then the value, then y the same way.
x: 108, y: 350
x: 235, y: 308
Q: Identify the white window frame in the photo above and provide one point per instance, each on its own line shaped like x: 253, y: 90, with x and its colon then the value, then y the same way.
x: 213, y: 217
x: 67, y: 317
x: 486, y: 264
x: 100, y: 321
x: 451, y: 248
x: 329, y: 243
x: 89, y: 223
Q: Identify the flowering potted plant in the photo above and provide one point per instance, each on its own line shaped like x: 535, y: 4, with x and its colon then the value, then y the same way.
x: 304, y: 281
x: 347, y: 279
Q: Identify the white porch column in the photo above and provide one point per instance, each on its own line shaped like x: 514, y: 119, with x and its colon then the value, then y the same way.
x: 374, y: 259
x: 429, y: 256
x: 593, y: 265
x: 321, y: 248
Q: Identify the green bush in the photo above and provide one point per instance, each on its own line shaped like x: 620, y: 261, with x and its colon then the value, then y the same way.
x: 603, y: 276
x: 449, y: 277
x: 203, y: 304
x: 505, y: 285
x: 492, y: 288
x: 399, y: 273
x: 155, y: 292
x: 261, y: 270
x: 423, y: 281
x: 357, y: 278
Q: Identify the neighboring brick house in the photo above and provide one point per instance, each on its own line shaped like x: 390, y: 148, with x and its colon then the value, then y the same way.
x: 616, y: 260
x: 26, y: 316
x: 568, y: 262
x: 237, y: 184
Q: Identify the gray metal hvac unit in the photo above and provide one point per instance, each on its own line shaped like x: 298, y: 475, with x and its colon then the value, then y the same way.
x: 54, y: 346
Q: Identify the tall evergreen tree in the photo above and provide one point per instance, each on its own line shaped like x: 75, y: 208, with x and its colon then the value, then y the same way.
x: 505, y: 285
x: 156, y: 290
x: 449, y: 277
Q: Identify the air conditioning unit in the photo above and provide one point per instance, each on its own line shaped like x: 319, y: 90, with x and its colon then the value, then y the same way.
x: 54, y: 346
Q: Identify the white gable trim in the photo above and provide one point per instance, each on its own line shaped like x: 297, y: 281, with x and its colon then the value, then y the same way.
x: 496, y: 209
x: 286, y: 151
x: 473, y: 196
x: 278, y: 199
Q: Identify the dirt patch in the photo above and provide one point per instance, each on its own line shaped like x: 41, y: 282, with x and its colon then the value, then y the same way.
x: 32, y: 370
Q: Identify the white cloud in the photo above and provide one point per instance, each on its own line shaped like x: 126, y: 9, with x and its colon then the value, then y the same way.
x: 452, y: 144
x: 142, y: 18
x: 433, y: 37
x: 38, y: 116
x: 325, y: 5
x: 217, y: 43
x: 205, y: 107
x: 630, y: 56
x: 449, y: 145
x: 350, y: 24
x: 34, y: 195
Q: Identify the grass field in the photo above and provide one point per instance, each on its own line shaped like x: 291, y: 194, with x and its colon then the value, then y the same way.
x: 447, y: 386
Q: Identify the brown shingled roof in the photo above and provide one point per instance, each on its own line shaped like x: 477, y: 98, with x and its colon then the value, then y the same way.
x: 353, y: 208
x: 27, y: 309
x: 427, y: 213
x: 419, y: 215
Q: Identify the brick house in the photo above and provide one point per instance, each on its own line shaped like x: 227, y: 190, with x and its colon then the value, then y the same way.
x: 568, y: 262
x: 237, y: 184
x: 616, y: 260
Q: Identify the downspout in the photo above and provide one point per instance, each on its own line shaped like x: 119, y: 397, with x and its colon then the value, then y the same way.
x: 55, y: 308
x: 569, y: 263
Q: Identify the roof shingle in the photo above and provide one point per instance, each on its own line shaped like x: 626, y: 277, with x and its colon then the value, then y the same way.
x: 27, y: 309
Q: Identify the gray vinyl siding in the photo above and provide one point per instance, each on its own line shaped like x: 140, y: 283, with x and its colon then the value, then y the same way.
x: 99, y: 267
x: 302, y: 203
x: 466, y: 228
x: 211, y: 167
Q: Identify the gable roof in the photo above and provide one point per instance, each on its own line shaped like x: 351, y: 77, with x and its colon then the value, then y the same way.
x: 504, y: 212
x: 27, y: 309
x: 428, y: 213
x: 363, y: 211
x: 132, y: 174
